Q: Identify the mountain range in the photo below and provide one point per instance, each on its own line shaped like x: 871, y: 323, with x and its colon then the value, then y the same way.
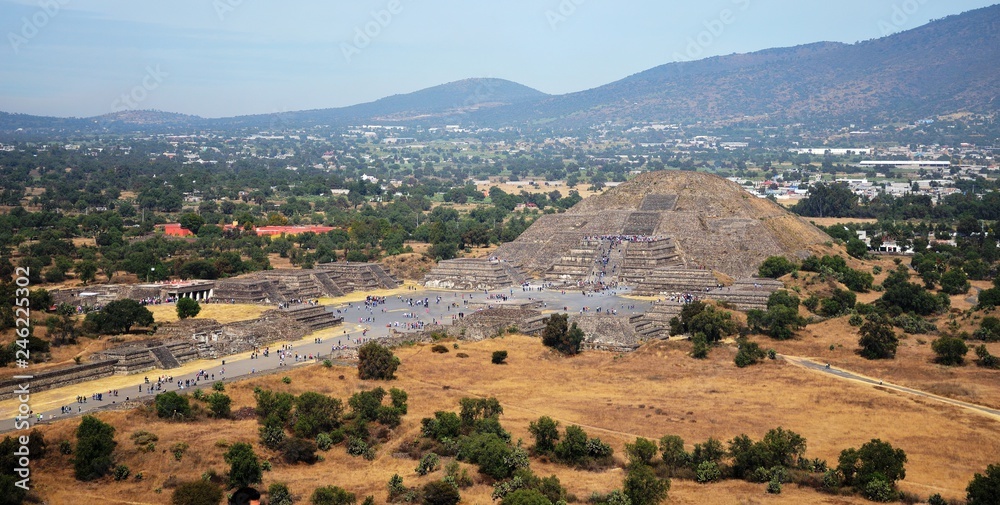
x: 946, y: 66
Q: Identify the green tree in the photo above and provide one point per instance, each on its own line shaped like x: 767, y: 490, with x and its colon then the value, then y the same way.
x: 672, y: 450
x: 331, y: 495
x: 950, y: 351
x: 316, y: 413
x: 875, y: 460
x: 376, y: 362
x: 119, y: 317
x: 878, y: 339
x: 776, y: 266
x: 641, y: 452
x: 86, y: 270
x: 573, y: 446
x: 244, y: 466
x: 984, y: 489
x: 499, y: 357
x: 643, y: 487
x: 856, y: 248
x: 562, y: 337
x: 220, y: 405
x: 546, y: 433
x: 95, y: 443
x: 197, y: 492
x: 187, y: 307
x: 440, y: 492
x: 955, y: 282
x: 191, y: 221
x: 171, y: 405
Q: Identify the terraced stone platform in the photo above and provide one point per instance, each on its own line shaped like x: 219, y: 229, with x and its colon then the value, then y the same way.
x: 474, y: 274
x: 712, y: 222
x: 359, y: 276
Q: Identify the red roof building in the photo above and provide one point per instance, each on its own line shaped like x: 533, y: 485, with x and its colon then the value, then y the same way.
x: 273, y: 231
x: 175, y: 230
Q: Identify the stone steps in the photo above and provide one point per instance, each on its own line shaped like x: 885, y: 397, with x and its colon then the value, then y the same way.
x: 313, y: 317
x: 676, y: 280
x: 164, y: 358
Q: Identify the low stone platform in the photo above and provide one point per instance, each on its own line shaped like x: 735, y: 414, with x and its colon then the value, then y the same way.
x: 676, y: 280
x: 359, y: 276
x: 506, y: 304
x: 474, y: 274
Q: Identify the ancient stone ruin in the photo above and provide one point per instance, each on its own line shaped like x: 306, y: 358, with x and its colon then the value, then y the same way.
x: 661, y: 219
x: 474, y: 274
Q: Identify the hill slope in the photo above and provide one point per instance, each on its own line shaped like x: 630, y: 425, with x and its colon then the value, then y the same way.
x: 945, y: 66
x: 713, y: 222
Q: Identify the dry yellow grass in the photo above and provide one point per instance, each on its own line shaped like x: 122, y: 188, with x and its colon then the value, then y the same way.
x: 655, y: 391
x: 221, y: 312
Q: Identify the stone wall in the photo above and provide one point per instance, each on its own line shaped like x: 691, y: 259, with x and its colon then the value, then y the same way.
x: 55, y: 378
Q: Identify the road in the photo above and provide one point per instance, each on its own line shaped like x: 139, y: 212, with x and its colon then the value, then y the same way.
x: 847, y: 375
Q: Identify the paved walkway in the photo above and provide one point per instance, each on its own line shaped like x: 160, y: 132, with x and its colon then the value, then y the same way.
x: 361, y: 324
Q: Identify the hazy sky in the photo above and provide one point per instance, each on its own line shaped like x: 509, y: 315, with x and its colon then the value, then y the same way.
x: 229, y: 57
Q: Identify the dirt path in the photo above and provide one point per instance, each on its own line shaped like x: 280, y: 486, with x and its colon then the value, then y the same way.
x: 810, y: 364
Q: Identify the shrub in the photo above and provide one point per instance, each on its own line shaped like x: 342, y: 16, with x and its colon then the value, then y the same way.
x: 499, y: 357
x: 749, y: 353
x: 244, y: 467
x: 178, y: 450
x: 295, y: 450
x: 428, y: 463
x: 121, y: 472
x: 878, y: 340
x: 546, y: 434
x: 707, y: 471
x: 220, y: 405
x: 376, y: 362
x: 641, y: 452
x: 672, y: 450
x: 331, y: 495
x: 950, y: 351
x: 219, y: 386
x: 984, y: 488
x: 95, y: 442
x: 875, y: 460
x: 278, y: 494
x: 324, y: 441
x: 525, y: 497
x: 198, y: 492
x: 439, y: 349
x: 562, y: 337
x: 187, y: 307
x: 776, y: 266
x: 880, y: 490
x: 643, y: 487
x: 774, y: 486
x: 171, y: 405
x: 440, y: 493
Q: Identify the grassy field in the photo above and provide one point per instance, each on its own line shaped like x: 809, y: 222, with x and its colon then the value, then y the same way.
x: 656, y: 391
